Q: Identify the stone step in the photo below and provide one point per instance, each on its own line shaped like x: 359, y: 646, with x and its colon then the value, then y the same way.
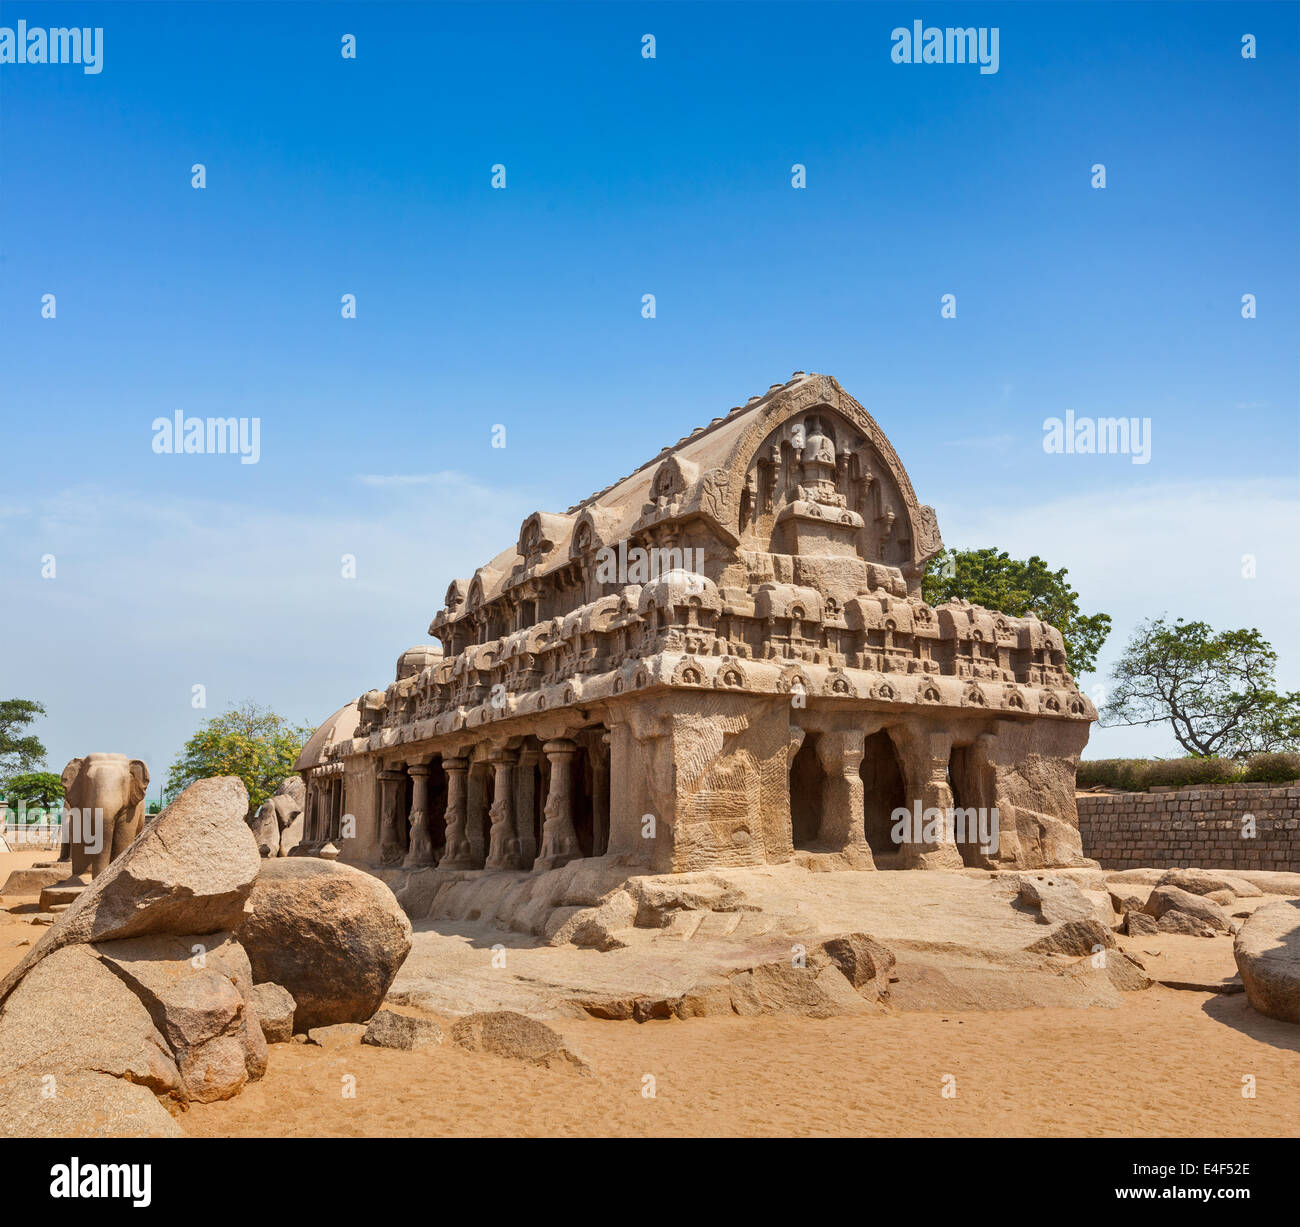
x: 717, y: 924
x: 64, y: 892
x: 682, y: 925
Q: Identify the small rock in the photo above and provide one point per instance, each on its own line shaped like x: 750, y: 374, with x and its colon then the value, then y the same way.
x: 1076, y: 937
x: 337, y: 1035
x: 1207, y: 881
x: 1173, y: 898
x: 1138, y: 924
x: 1175, y: 921
x: 1127, y: 973
x: 274, y: 1006
x: 508, y: 1034
x: 389, y: 1029
x: 864, y: 962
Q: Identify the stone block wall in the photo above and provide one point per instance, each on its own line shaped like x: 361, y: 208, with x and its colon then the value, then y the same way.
x: 1176, y: 828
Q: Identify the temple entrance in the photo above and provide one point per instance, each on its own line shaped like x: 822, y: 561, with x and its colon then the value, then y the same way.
x: 437, y: 807
x: 883, y: 791
x: 806, y: 781
x: 405, y: 798
x: 591, y: 791
x: 962, y: 786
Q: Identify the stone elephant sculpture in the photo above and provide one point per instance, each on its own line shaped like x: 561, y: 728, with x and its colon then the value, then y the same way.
x: 278, y: 824
x: 103, y: 809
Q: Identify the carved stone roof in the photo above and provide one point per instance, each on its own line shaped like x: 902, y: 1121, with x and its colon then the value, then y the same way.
x: 709, y: 466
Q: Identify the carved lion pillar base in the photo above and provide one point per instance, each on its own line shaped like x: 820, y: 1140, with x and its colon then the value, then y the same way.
x: 456, y: 852
x: 390, y: 844
x: 503, y: 843
x: 559, y: 839
x: 421, y: 850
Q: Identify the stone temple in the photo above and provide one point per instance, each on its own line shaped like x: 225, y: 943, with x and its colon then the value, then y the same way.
x: 722, y: 660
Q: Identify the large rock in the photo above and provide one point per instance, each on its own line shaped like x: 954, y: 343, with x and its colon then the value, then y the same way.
x: 1174, y: 899
x: 83, y: 1105
x: 1267, y: 949
x: 72, y: 1013
x: 199, y: 992
x: 190, y: 871
x: 332, y: 935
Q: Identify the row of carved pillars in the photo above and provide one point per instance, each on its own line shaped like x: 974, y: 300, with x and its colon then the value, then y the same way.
x: 326, y: 807
x: 486, y: 819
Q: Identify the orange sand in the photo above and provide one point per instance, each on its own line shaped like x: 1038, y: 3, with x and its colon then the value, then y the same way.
x: 1167, y: 1063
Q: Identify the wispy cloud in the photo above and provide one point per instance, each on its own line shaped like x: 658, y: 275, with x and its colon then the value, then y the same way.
x: 152, y: 597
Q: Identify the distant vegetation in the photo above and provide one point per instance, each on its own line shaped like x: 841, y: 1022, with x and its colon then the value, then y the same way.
x: 1140, y: 774
x: 20, y: 752
x: 1214, y: 689
x: 250, y: 742
x: 41, y: 790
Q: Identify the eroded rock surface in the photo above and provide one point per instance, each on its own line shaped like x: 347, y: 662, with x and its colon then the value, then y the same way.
x: 1267, y: 950
x: 330, y: 934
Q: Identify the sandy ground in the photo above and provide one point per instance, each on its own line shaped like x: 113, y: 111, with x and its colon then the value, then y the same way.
x: 1166, y: 1063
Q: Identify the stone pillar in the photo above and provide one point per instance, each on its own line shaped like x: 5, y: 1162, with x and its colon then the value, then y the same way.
x: 525, y: 805
x: 925, y: 770
x: 600, y: 795
x: 476, y: 812
x: 503, y: 846
x: 559, y: 840
x: 309, y: 819
x: 841, y: 828
x: 456, y: 852
x: 390, y: 844
x: 421, y: 849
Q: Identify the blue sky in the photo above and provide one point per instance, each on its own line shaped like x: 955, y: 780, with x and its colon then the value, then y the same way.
x: 625, y: 176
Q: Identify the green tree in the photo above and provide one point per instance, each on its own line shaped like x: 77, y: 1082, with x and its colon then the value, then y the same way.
x: 248, y: 741
x: 1214, y: 689
x: 992, y: 579
x: 39, y: 789
x: 19, y: 753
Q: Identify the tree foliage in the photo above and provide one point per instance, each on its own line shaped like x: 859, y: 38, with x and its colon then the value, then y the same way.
x: 990, y: 578
x: 1214, y: 689
x: 38, y: 789
x: 250, y: 742
x: 19, y: 753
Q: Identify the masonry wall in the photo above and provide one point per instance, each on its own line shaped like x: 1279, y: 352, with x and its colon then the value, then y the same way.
x: 1193, y: 827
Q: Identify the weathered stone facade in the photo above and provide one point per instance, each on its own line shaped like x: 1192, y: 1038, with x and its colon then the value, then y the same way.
x: 723, y: 659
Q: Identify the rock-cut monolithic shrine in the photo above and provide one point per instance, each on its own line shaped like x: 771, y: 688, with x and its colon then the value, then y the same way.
x: 722, y: 660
